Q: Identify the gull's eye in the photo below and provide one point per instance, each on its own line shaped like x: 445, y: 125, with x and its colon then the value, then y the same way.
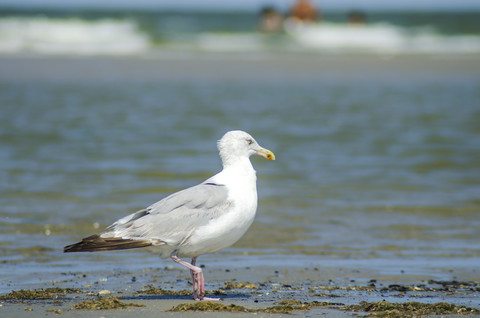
x: 249, y: 141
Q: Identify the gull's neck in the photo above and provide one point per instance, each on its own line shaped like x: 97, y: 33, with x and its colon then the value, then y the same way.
x: 234, y: 171
x: 241, y: 164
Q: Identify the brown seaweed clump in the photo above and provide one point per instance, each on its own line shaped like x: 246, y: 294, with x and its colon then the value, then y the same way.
x: 288, y: 306
x: 238, y: 285
x: 150, y: 290
x: 28, y: 294
x: 209, y: 306
x: 282, y: 307
x: 104, y: 303
x: 55, y: 311
x: 32, y: 294
x: 409, y: 309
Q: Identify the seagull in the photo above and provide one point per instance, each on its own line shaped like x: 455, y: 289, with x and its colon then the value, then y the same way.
x: 198, y: 220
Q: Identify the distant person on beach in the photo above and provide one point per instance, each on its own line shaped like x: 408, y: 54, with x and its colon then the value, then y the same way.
x: 271, y: 21
x: 356, y: 18
x: 304, y: 11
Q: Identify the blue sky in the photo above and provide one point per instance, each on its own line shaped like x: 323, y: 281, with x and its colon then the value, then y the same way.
x: 254, y: 4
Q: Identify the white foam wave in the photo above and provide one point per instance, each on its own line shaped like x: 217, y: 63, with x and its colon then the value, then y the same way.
x: 70, y: 36
x: 75, y: 36
x: 378, y: 38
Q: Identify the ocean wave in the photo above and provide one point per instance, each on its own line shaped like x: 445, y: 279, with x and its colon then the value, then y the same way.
x: 378, y: 38
x: 123, y: 36
x: 71, y: 36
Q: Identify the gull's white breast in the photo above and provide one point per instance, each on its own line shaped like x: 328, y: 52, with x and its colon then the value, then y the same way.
x: 228, y: 228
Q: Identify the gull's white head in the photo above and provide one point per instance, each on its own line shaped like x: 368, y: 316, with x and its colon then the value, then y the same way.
x: 238, y: 144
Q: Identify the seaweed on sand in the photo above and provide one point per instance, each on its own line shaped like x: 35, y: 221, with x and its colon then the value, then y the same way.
x: 43, y: 293
x: 282, y: 307
x: 104, y: 303
x: 409, y: 309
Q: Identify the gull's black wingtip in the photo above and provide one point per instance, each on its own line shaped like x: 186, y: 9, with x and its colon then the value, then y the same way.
x: 96, y: 243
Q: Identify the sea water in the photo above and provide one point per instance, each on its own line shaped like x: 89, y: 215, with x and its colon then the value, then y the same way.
x: 377, y: 156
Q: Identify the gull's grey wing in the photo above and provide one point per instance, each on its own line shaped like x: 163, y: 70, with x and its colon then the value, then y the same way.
x: 172, y: 220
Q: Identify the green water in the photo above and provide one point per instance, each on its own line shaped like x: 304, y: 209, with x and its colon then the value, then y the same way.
x: 378, y: 160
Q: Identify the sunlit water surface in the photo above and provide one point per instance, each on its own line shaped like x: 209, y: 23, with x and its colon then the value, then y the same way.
x: 373, y: 169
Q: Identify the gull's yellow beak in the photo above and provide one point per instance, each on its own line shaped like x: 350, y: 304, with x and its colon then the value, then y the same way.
x: 265, y: 153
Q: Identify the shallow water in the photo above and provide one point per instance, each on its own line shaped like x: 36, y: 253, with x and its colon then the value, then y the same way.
x: 378, y: 161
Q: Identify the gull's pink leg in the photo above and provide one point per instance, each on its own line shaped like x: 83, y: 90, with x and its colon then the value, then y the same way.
x: 194, y: 279
x: 198, y: 280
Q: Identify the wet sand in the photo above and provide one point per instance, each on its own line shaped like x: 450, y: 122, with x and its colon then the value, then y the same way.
x: 327, y: 290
